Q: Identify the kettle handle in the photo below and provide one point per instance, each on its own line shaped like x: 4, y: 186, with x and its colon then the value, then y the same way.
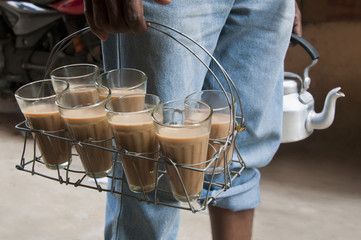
x: 305, y: 45
x: 314, y: 55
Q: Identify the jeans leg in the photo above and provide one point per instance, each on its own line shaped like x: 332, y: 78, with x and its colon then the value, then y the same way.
x: 251, y: 48
x: 172, y: 72
x: 250, y: 40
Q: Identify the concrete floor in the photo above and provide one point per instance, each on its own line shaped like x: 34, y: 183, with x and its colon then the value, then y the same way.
x: 311, y: 190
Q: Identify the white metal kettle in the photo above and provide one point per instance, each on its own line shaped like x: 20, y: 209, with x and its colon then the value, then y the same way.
x: 299, y: 117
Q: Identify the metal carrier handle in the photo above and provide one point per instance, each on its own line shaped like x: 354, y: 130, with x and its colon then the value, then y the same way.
x: 229, y: 81
x: 204, y: 201
x: 64, y: 43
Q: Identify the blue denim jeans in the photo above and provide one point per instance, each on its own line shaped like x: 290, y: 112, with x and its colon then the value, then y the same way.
x: 250, y: 40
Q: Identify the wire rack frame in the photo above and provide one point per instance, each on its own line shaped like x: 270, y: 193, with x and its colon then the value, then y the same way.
x: 69, y: 176
x: 76, y: 178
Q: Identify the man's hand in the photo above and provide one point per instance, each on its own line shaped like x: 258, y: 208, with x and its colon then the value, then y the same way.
x: 116, y: 16
x: 297, y: 23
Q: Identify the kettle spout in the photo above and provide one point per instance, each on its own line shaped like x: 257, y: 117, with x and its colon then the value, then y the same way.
x: 325, y: 118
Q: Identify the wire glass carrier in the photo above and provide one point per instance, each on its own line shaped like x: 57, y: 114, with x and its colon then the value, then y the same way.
x: 224, y: 151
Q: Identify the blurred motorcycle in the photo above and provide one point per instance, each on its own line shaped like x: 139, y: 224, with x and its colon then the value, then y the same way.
x: 29, y: 30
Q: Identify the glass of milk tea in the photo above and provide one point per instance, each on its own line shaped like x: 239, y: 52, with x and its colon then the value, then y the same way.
x: 130, y: 119
x: 222, y: 126
x: 123, y: 81
x: 76, y: 74
x: 82, y: 108
x: 183, y: 128
x: 37, y: 102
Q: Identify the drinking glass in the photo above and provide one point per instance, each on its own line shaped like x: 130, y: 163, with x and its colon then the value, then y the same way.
x: 182, y: 128
x: 76, y: 74
x: 123, y: 81
x: 134, y: 131
x: 82, y: 108
x: 222, y: 125
x: 37, y: 102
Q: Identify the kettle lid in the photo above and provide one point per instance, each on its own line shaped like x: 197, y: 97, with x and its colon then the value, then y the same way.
x: 289, y: 87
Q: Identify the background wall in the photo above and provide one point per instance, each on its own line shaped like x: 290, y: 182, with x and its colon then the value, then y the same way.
x: 330, y: 10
